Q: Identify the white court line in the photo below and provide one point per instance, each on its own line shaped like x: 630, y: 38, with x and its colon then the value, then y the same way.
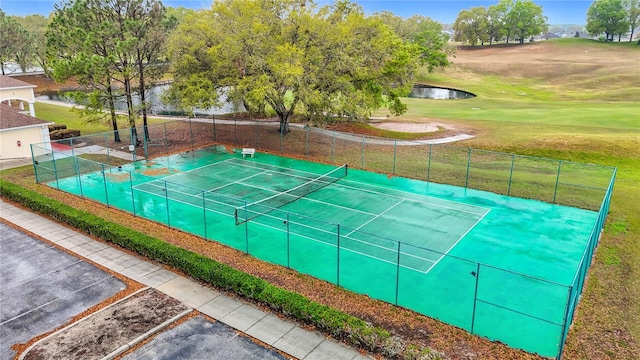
x: 357, y: 252
x: 310, y: 238
x: 377, y: 216
x: 482, y: 215
x: 456, y: 243
x: 236, y: 182
x: 409, y: 198
x: 214, y: 173
x: 234, y: 162
x: 198, y: 169
x: 184, y: 202
x: 312, y: 200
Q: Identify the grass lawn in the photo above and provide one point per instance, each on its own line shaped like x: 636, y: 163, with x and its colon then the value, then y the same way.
x: 569, y: 99
x: 70, y: 117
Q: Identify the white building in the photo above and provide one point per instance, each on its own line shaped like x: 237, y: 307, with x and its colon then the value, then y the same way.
x: 18, y: 131
x: 17, y: 91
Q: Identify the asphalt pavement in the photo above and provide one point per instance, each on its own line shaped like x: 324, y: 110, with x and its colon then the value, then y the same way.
x: 44, y: 275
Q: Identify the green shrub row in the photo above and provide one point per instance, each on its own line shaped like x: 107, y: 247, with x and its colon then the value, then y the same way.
x: 337, y: 323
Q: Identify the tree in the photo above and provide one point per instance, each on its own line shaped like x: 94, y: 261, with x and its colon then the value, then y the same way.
x: 528, y: 19
x: 13, y: 41
x: 608, y: 17
x: 79, y: 44
x: 293, y: 57
x: 496, y: 17
x: 36, y: 27
x: 149, y: 24
x: 508, y: 25
x: 424, y: 32
x: 471, y: 26
x: 633, y: 15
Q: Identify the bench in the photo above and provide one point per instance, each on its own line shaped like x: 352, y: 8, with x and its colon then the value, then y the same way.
x: 248, y: 151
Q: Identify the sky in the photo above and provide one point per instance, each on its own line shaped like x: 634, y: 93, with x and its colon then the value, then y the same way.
x: 443, y: 11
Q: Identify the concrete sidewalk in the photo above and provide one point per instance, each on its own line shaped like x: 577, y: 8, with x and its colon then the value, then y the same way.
x: 282, y: 335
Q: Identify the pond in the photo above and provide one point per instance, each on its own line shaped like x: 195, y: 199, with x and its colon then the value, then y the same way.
x: 422, y: 91
x: 156, y: 105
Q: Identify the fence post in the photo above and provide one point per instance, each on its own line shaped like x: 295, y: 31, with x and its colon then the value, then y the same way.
x: 145, y: 142
x: 133, y: 199
x: 55, y: 168
x: 257, y: 134
x: 191, y: 133
x: 307, y: 141
x: 166, y: 139
x: 513, y: 159
x: 213, y: 119
x: 246, y: 229
x: 106, y: 145
x: 362, y: 163
x: 204, y: 213
x: 288, y: 243
x: 281, y: 142
x: 475, y: 296
x: 106, y: 191
x: 76, y: 166
x: 398, y: 273
x: 333, y: 145
x: 565, y: 324
x: 338, y: 257
x: 33, y: 161
x: 466, y: 181
x: 393, y: 170
x: 166, y: 197
x: 134, y: 140
x: 235, y: 132
x: 555, y: 191
x: 429, y: 164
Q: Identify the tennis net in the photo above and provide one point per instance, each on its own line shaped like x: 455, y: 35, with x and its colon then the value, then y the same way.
x: 264, y: 206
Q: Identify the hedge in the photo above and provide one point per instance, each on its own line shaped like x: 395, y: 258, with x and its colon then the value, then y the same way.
x: 334, y: 322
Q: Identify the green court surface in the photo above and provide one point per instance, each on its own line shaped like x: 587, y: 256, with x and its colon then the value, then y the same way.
x: 497, y: 266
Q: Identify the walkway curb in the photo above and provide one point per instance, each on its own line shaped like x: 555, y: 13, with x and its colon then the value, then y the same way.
x: 24, y: 353
x: 146, y: 335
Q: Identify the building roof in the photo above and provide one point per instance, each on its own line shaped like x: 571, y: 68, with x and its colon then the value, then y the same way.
x: 7, y: 82
x: 11, y: 118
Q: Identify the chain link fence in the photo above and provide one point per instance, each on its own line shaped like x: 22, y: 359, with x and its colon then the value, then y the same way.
x: 474, y: 303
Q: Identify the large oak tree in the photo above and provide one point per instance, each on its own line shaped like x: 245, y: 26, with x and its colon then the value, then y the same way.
x: 293, y: 57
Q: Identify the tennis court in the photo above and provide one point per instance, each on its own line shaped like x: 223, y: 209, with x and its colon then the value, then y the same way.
x: 270, y: 192
x: 497, y: 266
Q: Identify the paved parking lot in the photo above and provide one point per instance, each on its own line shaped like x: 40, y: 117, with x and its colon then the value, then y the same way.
x: 199, y: 338
x: 54, y: 288
x: 42, y: 288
